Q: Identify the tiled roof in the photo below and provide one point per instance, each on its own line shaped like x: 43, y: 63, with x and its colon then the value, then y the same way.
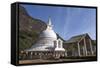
x: 76, y: 38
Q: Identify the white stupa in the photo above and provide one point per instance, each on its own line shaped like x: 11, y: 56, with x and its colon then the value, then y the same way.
x: 48, y: 45
x: 48, y: 41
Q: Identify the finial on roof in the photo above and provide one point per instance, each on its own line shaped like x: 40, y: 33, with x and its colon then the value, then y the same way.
x: 49, y: 25
x: 49, y: 21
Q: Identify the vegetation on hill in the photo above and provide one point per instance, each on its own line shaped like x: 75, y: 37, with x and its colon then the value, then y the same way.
x: 29, y: 29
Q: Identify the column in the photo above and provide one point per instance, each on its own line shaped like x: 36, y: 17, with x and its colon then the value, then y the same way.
x: 83, y: 51
x: 91, y: 46
x: 40, y: 55
x: 57, y: 44
x: 85, y: 47
x: 31, y: 55
x: 66, y: 53
x: 27, y: 55
x: 61, y: 44
x: 79, y: 49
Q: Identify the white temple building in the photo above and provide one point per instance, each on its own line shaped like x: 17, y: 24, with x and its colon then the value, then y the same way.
x: 48, y: 46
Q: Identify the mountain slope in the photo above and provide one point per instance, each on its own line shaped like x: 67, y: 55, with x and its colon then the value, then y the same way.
x: 29, y: 29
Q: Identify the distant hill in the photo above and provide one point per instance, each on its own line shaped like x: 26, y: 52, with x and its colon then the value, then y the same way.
x: 29, y: 29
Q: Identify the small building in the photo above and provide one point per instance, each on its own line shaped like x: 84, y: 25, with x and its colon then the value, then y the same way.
x: 80, y: 45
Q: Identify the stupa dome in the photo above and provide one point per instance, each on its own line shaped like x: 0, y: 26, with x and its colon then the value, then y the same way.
x: 48, y: 32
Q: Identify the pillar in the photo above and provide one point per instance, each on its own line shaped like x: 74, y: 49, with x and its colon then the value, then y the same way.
x: 31, y: 55
x: 40, y: 55
x: 79, y: 49
x: 61, y: 46
x: 85, y: 47
x: 66, y: 53
x: 57, y: 44
x: 83, y: 51
x: 91, y: 46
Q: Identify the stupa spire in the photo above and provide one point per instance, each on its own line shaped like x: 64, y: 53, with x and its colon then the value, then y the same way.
x: 49, y: 21
x: 49, y: 25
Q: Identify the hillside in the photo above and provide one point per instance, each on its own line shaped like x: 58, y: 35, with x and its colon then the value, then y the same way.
x: 29, y: 29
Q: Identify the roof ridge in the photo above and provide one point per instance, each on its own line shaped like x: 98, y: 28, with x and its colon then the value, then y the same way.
x: 79, y: 35
x: 76, y: 38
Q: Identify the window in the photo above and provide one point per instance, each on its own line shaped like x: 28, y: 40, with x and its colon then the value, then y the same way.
x: 55, y: 44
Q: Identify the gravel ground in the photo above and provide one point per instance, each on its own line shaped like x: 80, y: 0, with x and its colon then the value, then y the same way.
x: 44, y: 61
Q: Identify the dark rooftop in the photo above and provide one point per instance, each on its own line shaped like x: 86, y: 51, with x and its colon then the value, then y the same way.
x: 76, y: 38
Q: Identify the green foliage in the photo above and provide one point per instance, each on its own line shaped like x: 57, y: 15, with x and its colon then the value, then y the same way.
x: 27, y: 39
x: 29, y: 29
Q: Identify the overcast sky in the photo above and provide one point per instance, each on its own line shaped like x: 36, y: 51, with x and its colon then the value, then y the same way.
x: 67, y: 21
